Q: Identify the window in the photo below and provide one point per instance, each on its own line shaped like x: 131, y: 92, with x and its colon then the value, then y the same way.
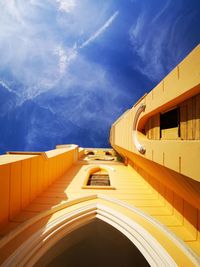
x: 99, y: 180
x: 169, y: 124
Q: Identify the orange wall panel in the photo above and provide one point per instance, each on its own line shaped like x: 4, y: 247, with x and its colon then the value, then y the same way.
x: 45, y: 173
x: 26, y: 173
x: 34, y: 178
x: 4, y: 193
x: 40, y: 180
x: 50, y: 171
x: 55, y: 174
x: 15, y: 189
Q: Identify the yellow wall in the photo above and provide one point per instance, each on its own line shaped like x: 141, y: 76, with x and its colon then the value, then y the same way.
x: 137, y: 185
x: 181, y: 156
x: 80, y: 152
x: 172, y: 167
x: 24, y: 177
x: 134, y: 188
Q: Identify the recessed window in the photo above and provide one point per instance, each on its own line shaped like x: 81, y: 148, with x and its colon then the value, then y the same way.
x: 169, y: 124
x: 169, y: 119
x: 99, y: 180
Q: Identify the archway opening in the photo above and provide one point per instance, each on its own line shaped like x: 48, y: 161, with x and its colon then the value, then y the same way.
x: 95, y: 244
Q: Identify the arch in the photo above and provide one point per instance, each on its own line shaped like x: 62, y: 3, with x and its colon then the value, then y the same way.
x: 67, y: 221
x: 96, y: 243
x: 41, y: 241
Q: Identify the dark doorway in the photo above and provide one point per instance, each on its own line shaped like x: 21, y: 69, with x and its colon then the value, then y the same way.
x: 95, y: 244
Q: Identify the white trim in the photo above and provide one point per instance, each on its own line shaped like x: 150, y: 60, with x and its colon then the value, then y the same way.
x: 180, y: 243
x: 136, y: 142
x: 36, y: 246
x: 75, y: 219
x: 42, y: 215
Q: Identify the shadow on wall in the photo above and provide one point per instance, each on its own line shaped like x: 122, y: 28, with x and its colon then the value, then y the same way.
x: 94, y: 244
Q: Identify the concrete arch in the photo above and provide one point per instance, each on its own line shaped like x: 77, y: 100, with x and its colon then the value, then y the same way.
x: 44, y: 238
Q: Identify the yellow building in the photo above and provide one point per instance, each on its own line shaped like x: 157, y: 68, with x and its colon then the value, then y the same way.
x: 137, y: 204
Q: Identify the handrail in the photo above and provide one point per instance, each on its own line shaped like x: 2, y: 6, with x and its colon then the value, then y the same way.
x: 136, y: 142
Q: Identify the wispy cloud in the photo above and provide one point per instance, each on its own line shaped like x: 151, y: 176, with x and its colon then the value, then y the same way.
x: 152, y: 38
x: 162, y: 10
x: 9, y: 88
x: 36, y: 50
x: 66, y: 56
x: 42, y: 58
x: 66, y: 5
x: 2, y: 83
x: 101, y: 30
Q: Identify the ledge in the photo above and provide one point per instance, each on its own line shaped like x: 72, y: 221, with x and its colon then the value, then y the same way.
x: 11, y: 158
x: 98, y: 187
x: 59, y: 151
x: 14, y: 156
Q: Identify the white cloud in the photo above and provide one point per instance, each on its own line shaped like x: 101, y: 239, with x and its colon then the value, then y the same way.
x: 31, y: 52
x: 84, y: 86
x: 37, y: 50
x: 151, y: 40
x: 101, y: 30
x: 62, y: 58
x: 66, y: 5
x: 136, y: 30
x: 66, y: 56
x: 162, y: 11
x: 2, y: 83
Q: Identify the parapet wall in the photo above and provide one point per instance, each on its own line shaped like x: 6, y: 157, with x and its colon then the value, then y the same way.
x: 24, y: 176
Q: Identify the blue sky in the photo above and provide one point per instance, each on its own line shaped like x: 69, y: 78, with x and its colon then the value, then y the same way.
x: 70, y: 68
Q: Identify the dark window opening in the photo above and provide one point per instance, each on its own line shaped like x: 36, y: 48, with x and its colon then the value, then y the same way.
x: 108, y: 153
x: 90, y: 153
x: 143, y: 131
x: 170, y: 119
x: 99, y: 180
